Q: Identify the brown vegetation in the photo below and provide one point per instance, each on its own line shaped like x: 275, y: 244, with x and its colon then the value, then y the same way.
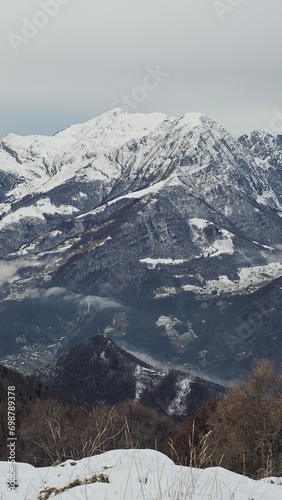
x: 50, y: 432
x: 242, y: 432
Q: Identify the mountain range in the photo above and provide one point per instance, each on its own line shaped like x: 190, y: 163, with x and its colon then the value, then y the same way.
x: 162, y: 232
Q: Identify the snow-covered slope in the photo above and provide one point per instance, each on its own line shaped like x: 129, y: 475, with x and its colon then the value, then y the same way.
x: 132, y: 475
x: 46, y: 162
x: 120, y: 150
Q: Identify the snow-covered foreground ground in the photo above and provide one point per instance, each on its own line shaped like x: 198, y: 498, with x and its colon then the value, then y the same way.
x: 133, y: 475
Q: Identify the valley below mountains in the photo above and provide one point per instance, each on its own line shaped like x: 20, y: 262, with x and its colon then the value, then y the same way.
x: 162, y: 232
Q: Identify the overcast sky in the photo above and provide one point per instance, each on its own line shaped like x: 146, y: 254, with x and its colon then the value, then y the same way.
x: 214, y: 58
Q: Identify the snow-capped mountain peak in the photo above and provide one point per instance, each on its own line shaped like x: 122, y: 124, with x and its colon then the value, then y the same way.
x: 138, y: 206
x: 118, y: 151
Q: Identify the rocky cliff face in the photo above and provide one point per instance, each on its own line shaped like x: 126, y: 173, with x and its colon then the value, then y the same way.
x: 163, y: 232
x: 267, y: 152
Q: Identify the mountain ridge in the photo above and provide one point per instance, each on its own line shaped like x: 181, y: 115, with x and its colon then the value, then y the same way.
x: 99, y: 371
x: 171, y: 225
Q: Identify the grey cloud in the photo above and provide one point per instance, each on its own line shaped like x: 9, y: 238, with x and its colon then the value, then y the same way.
x: 168, y: 366
x: 86, y: 57
x: 85, y: 301
x: 8, y: 270
x: 144, y: 356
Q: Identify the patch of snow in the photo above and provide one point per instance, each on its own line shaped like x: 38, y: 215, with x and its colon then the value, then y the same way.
x: 152, y: 263
x: 154, y: 188
x: 54, y: 234
x: 93, y: 212
x: 200, y: 223
x: 220, y: 246
x: 21, y: 213
x: 250, y: 279
x: 223, y: 244
x: 141, y: 378
x: 47, y: 207
x: 167, y: 321
x: 139, y: 386
x: 262, y: 163
x: 269, y: 200
x: 36, y: 211
x: 191, y: 119
x: 263, y: 246
x: 259, y: 274
x: 177, y: 406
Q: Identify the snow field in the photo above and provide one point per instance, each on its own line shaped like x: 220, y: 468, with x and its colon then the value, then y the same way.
x: 134, y: 475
